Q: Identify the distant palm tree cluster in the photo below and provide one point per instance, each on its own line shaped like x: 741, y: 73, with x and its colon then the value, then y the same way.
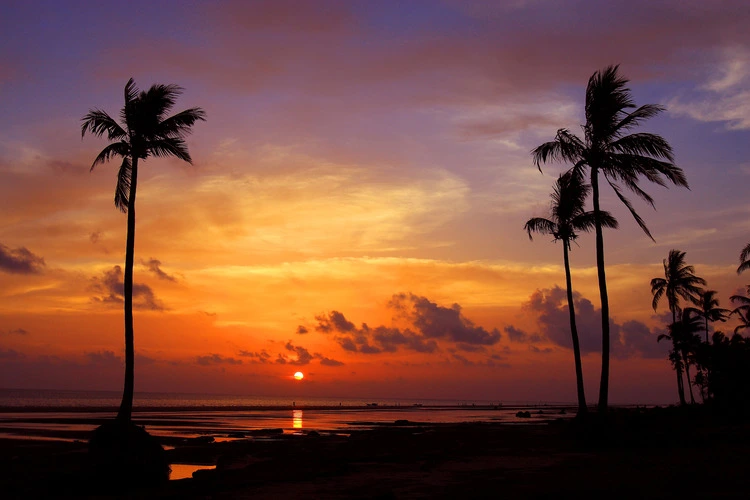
x: 719, y: 361
x: 623, y: 159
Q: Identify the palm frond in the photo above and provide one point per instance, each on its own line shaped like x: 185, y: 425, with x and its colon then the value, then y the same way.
x: 122, y: 191
x: 127, y: 112
x: 566, y: 147
x: 120, y: 148
x: 158, y: 100
x: 658, y: 286
x: 540, y: 225
x: 644, y: 144
x: 635, y: 215
x: 586, y: 221
x: 631, y: 183
x: 639, y: 115
x: 179, y: 125
x: 607, y: 98
x: 744, y: 262
x: 98, y: 122
x: 171, y: 146
x: 651, y: 168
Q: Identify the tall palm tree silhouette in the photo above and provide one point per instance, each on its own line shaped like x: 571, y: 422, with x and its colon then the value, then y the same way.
x: 567, y: 216
x: 145, y: 129
x: 679, y: 281
x: 708, y: 309
x: 622, y: 158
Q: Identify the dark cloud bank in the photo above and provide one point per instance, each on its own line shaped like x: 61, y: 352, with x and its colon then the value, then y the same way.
x: 20, y: 260
x: 550, y: 307
x: 111, y: 287
x: 303, y: 357
x: 428, y: 323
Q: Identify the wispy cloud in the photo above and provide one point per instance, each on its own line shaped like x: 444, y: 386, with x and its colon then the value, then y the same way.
x: 724, y: 97
x: 154, y: 266
x: 217, y: 359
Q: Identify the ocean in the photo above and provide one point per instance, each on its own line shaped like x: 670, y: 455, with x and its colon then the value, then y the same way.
x: 72, y: 415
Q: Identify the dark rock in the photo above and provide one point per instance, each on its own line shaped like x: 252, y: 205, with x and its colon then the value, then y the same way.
x: 123, y: 456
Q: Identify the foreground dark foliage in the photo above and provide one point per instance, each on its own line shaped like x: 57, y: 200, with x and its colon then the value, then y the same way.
x: 722, y: 373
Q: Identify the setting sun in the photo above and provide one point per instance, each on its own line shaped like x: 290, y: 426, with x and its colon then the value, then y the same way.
x: 299, y: 376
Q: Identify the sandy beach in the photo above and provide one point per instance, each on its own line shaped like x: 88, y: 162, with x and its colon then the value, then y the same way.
x: 658, y: 454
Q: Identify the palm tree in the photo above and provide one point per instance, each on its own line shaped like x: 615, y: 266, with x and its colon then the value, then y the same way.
x: 742, y: 310
x: 744, y: 261
x: 144, y: 130
x: 683, y: 334
x: 708, y: 309
x: 679, y: 281
x: 567, y: 215
x: 622, y: 158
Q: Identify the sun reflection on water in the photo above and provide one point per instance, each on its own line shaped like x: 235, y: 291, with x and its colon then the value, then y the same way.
x: 297, y: 419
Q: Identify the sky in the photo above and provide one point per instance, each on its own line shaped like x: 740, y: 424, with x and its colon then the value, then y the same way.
x: 356, y: 203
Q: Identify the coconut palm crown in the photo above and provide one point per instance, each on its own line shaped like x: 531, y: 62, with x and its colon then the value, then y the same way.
x: 145, y: 129
x: 708, y: 309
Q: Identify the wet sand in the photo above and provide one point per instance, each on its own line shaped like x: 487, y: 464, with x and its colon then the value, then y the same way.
x: 661, y: 454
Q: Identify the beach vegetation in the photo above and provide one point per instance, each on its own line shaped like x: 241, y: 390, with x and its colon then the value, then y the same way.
x: 622, y: 158
x: 145, y: 129
x: 679, y: 281
x: 568, y: 216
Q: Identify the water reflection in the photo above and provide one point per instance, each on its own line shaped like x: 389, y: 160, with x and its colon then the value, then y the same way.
x: 297, y: 419
x: 184, y: 471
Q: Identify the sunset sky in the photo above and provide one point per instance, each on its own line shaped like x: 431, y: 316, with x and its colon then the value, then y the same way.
x: 355, y: 209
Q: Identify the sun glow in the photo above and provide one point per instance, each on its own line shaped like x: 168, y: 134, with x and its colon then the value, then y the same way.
x: 299, y: 376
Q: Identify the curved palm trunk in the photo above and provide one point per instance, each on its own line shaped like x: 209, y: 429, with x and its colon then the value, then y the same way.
x: 706, y: 318
x: 678, y: 371
x: 126, y: 406
x: 687, y: 374
x: 574, y: 333
x: 604, y: 383
x: 678, y: 365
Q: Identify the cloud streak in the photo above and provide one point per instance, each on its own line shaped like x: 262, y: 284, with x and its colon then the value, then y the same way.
x: 154, y: 266
x: 217, y: 359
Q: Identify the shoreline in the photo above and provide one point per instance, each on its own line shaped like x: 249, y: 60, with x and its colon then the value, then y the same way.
x: 240, y: 408
x: 639, y: 455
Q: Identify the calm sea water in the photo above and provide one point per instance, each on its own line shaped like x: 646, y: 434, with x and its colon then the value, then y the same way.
x: 72, y: 415
x: 98, y: 399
